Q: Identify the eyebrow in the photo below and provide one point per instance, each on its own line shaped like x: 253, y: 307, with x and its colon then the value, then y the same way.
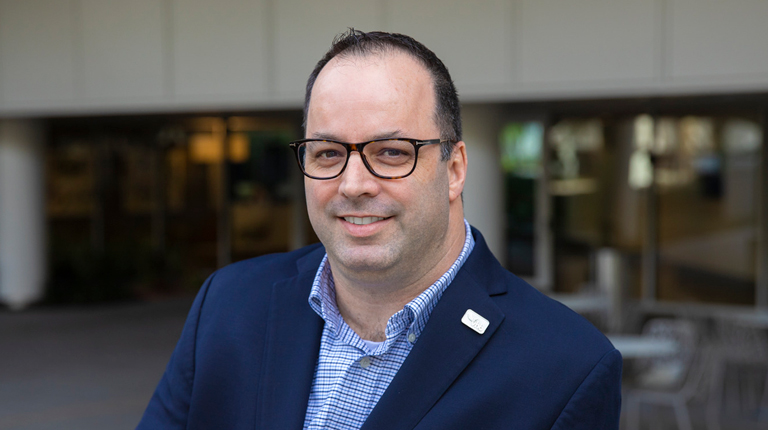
x: 385, y: 135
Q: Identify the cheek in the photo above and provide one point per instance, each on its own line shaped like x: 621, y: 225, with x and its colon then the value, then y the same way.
x: 425, y: 197
x: 322, y: 197
x: 432, y: 187
x: 316, y: 198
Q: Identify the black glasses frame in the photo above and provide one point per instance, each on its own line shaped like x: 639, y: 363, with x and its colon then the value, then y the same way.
x: 351, y: 147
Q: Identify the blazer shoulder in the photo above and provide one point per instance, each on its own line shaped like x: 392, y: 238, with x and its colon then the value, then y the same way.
x: 568, y: 333
x: 255, y: 276
x: 272, y: 266
x: 563, y: 354
x: 596, y: 404
x: 532, y: 315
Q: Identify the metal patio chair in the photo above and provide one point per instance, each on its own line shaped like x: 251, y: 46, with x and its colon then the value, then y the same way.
x: 672, y: 380
x: 736, y: 345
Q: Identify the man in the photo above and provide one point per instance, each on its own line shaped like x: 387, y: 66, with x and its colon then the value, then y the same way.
x: 411, y: 321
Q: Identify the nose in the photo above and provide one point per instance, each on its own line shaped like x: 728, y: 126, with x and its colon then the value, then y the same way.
x: 357, y: 181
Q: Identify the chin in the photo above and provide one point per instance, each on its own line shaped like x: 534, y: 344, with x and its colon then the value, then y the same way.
x: 366, y: 260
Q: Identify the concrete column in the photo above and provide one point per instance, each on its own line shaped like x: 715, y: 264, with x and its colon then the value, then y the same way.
x: 484, y: 189
x: 610, y: 281
x: 22, y: 213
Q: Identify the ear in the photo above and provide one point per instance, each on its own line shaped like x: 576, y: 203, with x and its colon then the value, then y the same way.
x: 457, y: 171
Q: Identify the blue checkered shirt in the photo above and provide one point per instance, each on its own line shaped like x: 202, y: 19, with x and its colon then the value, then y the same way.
x: 350, y: 376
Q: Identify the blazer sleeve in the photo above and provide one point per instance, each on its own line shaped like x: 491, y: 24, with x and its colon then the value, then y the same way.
x: 169, y: 407
x: 596, y: 404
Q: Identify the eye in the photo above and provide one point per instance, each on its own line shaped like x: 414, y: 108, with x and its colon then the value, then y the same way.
x: 392, y: 152
x: 328, y: 153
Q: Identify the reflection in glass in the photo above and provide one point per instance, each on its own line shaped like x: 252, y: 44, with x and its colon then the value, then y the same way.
x: 262, y: 194
x: 577, y: 188
x: 521, y: 149
x: 707, y: 214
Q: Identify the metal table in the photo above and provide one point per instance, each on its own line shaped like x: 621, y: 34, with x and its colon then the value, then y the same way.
x: 642, y: 346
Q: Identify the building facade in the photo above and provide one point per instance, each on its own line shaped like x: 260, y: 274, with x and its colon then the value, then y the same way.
x: 612, y: 144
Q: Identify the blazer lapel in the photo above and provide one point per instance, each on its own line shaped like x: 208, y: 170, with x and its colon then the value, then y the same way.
x: 292, y: 347
x: 444, y: 349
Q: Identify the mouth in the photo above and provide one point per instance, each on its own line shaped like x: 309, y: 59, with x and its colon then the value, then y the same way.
x: 363, y: 220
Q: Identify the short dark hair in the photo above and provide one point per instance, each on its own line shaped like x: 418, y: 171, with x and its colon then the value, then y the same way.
x: 356, y: 42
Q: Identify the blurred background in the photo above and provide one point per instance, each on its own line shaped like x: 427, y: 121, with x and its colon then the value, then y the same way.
x: 616, y: 163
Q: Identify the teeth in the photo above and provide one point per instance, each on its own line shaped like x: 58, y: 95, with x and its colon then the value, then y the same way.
x: 362, y: 221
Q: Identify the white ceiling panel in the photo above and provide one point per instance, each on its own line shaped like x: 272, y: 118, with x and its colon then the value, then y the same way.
x: 718, y: 37
x: 472, y: 38
x: 36, y: 52
x: 588, y: 40
x: 220, y: 48
x: 304, y: 31
x: 123, y: 46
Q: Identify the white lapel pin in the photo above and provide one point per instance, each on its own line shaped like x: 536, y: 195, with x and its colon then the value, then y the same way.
x: 475, y: 321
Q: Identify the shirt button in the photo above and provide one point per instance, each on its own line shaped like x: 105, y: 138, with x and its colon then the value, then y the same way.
x: 365, y: 362
x: 412, y: 337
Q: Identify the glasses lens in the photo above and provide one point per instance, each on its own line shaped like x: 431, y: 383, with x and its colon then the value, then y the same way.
x: 391, y: 158
x: 322, y: 159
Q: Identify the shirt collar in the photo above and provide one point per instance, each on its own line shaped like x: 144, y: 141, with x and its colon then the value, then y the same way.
x: 414, y: 316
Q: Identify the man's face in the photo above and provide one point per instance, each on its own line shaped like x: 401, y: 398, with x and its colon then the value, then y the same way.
x: 357, y: 99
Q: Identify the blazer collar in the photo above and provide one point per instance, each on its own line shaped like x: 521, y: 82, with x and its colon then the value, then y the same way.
x: 446, y: 346
x: 444, y: 349
x: 293, y: 335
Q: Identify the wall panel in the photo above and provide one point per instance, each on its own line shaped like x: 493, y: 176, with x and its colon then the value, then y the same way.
x: 116, y: 56
x: 474, y: 39
x: 122, y: 43
x: 718, y: 37
x: 37, y: 64
x: 220, y: 48
x: 588, y: 40
x: 304, y: 31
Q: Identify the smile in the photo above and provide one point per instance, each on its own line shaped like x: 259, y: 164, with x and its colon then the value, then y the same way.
x: 362, y: 221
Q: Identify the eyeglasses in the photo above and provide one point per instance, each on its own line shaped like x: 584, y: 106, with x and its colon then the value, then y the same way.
x: 384, y: 158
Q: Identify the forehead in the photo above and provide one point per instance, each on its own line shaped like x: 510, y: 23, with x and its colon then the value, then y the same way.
x: 388, y: 90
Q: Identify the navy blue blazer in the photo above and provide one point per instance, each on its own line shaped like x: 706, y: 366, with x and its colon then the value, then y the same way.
x: 247, y: 355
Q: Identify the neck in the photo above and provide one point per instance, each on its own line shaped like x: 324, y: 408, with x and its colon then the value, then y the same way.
x: 367, y: 304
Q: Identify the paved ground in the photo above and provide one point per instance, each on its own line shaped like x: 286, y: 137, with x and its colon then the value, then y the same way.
x: 84, y: 368
x: 96, y: 368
